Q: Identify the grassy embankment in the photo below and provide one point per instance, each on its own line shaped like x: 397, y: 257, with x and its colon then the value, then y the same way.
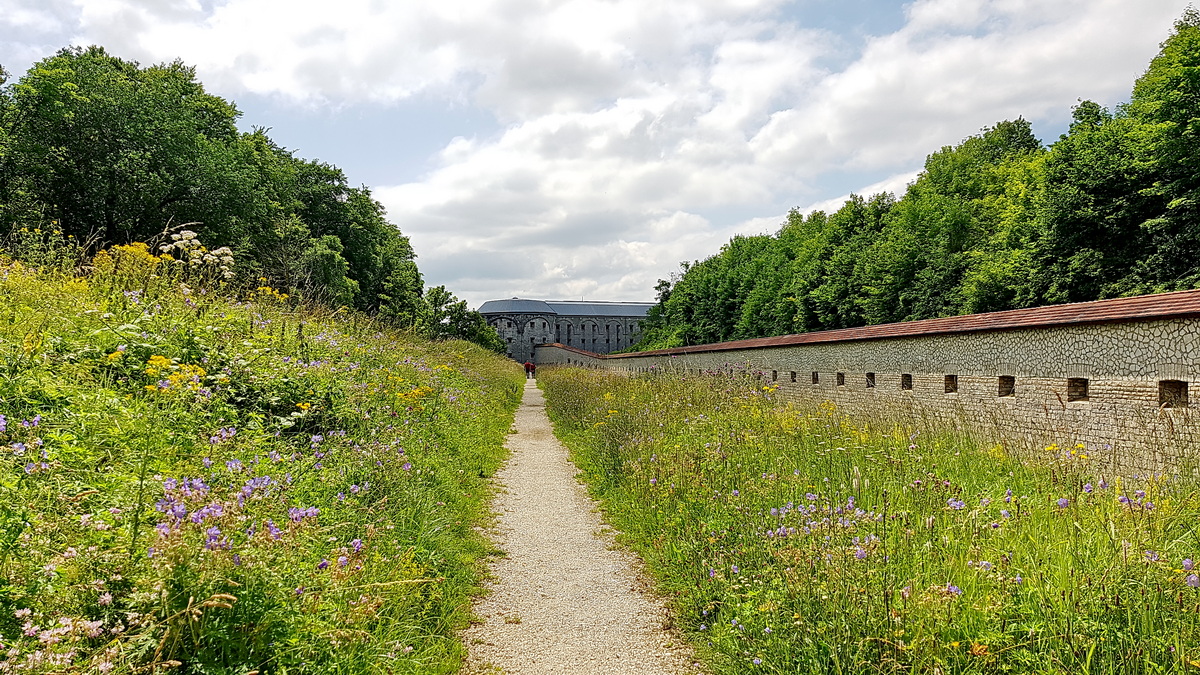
x: 192, y: 483
x: 799, y: 541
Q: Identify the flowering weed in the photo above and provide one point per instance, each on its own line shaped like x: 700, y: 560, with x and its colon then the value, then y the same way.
x: 798, y: 540
x: 194, y: 482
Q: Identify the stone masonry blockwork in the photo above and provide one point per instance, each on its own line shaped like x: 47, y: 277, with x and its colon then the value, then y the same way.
x: 1120, y: 422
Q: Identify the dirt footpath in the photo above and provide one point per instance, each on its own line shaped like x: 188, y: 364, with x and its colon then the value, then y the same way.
x: 563, y: 600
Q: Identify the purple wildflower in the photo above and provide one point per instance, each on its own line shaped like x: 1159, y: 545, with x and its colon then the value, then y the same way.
x: 297, y: 514
x: 953, y: 590
x: 1063, y: 502
x: 273, y: 530
x: 956, y: 504
x: 1087, y: 487
x: 323, y: 564
x: 357, y: 545
x: 1193, y: 581
x: 214, y: 536
x: 1188, y: 564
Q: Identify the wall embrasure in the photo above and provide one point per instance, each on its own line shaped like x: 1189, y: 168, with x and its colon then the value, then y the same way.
x: 1119, y: 389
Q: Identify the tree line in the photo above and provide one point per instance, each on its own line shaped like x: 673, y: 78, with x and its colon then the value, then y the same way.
x: 1000, y: 221
x: 101, y: 151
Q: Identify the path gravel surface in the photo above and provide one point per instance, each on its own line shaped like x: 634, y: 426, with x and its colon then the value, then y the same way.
x: 564, y: 598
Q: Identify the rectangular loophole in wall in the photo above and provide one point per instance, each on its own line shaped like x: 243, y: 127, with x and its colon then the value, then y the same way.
x: 816, y: 379
x: 774, y: 375
x: 951, y: 384
x: 906, y: 382
x: 870, y: 380
x: 1007, y: 386
x: 1077, y: 389
x: 1172, y: 393
x: 792, y: 376
x: 841, y: 379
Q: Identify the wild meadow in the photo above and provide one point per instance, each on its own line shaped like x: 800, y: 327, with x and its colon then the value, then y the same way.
x: 199, y: 478
x: 797, y: 540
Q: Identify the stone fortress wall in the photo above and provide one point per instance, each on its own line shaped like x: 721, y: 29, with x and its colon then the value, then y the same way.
x: 598, y: 327
x: 1112, y: 375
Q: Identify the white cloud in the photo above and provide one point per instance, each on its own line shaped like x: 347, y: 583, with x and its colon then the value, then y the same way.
x: 634, y: 135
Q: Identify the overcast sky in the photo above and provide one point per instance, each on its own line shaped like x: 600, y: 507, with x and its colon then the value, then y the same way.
x: 584, y: 148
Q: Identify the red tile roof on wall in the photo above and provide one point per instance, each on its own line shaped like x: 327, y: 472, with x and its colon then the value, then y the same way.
x: 1160, y: 306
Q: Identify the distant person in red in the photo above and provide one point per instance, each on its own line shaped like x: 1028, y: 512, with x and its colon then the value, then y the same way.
x: 529, y: 370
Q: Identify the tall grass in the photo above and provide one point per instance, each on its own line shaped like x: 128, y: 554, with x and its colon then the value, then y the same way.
x: 198, y: 480
x: 801, y: 541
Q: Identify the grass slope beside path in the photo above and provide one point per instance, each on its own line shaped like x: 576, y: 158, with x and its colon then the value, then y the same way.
x: 800, y: 541
x: 194, y: 484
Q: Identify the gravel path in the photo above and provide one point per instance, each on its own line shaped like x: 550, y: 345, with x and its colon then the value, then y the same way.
x: 564, y: 598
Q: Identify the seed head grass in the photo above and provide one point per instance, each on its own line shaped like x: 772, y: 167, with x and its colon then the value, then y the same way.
x: 797, y: 539
x: 201, y: 480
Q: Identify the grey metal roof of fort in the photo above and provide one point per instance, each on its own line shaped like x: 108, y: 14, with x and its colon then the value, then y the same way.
x: 565, y: 307
x: 584, y: 308
x: 515, y: 306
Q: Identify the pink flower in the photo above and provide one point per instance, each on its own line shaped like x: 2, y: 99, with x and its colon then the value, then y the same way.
x: 105, y: 599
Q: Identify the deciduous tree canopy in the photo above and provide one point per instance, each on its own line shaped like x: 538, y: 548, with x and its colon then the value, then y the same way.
x: 1112, y: 208
x: 108, y: 152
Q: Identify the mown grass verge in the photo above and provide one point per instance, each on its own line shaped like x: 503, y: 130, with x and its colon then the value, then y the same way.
x: 196, y: 483
x: 799, y: 541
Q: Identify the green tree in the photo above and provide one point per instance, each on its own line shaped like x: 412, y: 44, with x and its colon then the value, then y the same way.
x: 116, y: 151
x: 445, y: 317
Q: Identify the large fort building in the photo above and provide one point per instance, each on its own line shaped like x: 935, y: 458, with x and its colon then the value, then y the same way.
x: 597, y: 327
